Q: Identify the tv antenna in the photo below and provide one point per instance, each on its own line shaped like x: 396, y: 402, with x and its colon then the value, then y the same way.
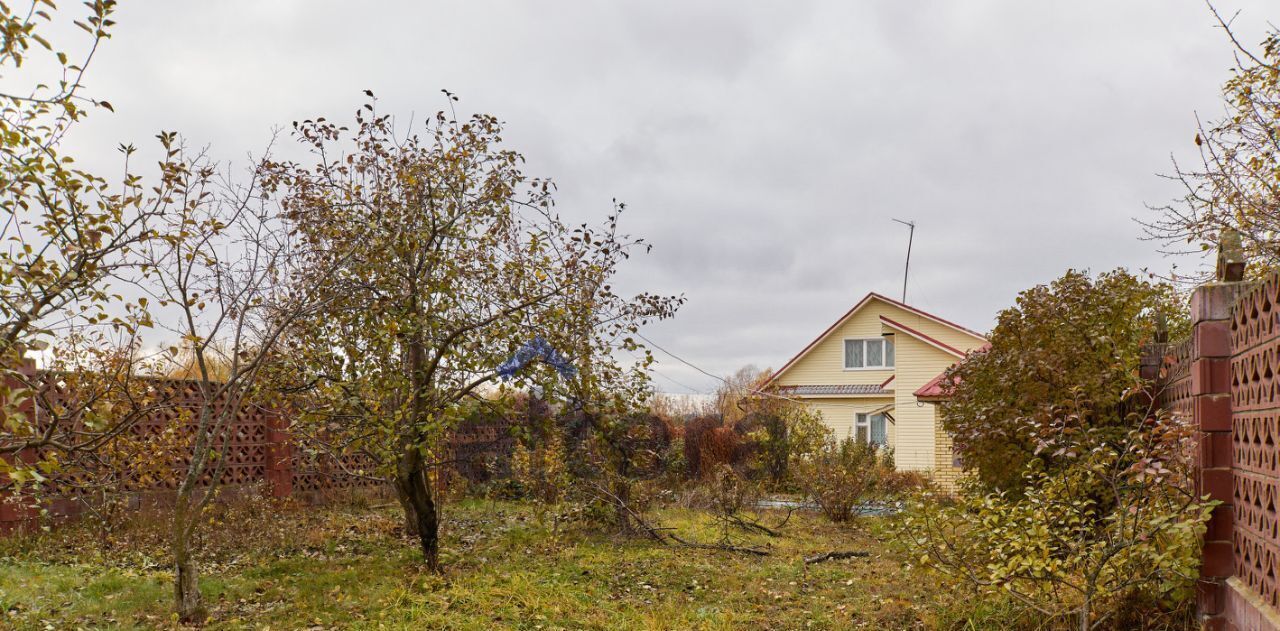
x: 910, y: 238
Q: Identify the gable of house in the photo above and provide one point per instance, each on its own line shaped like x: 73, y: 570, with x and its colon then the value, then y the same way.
x: 822, y: 361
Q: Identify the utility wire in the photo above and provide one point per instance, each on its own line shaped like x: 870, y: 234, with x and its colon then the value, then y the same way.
x: 691, y: 389
x: 753, y: 390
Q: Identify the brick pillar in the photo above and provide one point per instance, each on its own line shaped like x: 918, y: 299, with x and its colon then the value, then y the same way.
x: 1211, y: 407
x: 279, y: 456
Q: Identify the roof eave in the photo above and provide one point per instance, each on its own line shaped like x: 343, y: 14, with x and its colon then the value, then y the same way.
x: 924, y: 337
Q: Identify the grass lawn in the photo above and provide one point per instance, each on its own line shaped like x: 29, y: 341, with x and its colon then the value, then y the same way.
x: 348, y: 568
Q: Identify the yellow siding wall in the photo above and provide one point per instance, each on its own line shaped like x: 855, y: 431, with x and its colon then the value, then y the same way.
x: 824, y: 365
x: 839, y: 414
x: 914, y: 434
x: 918, y: 363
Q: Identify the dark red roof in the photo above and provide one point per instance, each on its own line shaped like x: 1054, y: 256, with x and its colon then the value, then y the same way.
x: 933, y: 390
x: 863, y: 389
x: 930, y: 340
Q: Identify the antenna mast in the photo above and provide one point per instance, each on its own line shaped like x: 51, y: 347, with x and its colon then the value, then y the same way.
x: 910, y: 238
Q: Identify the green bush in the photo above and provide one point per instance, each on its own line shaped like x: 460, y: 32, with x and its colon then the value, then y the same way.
x: 1074, y: 343
x: 843, y: 476
x: 1113, y: 524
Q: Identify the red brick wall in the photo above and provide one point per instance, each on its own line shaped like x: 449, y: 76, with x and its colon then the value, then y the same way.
x: 1255, y: 429
x: 1210, y: 362
x: 1226, y: 379
x: 260, y: 451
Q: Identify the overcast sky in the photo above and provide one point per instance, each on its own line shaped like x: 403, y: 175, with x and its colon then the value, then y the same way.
x: 763, y: 148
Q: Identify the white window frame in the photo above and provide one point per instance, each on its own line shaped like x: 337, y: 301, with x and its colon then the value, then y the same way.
x: 887, y: 359
x: 862, y: 421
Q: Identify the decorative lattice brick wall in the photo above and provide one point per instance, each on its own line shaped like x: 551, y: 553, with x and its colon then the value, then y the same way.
x: 248, y: 444
x: 1174, y: 363
x: 1194, y: 384
x: 1255, y: 430
x: 1225, y: 380
x: 259, y: 450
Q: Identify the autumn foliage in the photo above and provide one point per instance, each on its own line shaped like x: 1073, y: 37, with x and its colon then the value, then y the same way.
x: 1074, y: 343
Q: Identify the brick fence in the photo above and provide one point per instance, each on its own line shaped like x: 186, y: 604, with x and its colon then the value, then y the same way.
x: 261, y: 452
x: 1226, y: 380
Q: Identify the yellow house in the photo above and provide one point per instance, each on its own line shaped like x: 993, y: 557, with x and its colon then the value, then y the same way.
x: 871, y: 376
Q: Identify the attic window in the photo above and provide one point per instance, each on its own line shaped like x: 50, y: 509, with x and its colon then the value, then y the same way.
x: 861, y: 354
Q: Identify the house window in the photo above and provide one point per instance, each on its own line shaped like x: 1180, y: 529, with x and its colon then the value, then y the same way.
x: 868, y: 353
x: 871, y: 428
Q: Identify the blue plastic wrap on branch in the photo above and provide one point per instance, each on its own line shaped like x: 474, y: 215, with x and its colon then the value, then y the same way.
x: 537, y: 348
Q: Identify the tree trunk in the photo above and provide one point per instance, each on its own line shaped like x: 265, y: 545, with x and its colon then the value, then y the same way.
x: 186, y: 518
x: 622, y: 491
x: 187, y: 592
x: 415, y: 487
x: 186, y: 584
x: 410, y: 515
x: 412, y: 481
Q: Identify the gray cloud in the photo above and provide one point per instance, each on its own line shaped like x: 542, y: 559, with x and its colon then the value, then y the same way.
x: 762, y: 148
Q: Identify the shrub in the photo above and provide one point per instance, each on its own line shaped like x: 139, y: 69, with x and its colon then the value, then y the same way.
x: 776, y: 435
x: 674, y: 465
x: 730, y: 494
x: 540, y: 471
x: 771, y: 429
x: 764, y: 435
x: 807, y: 438
x: 707, y: 443
x: 1113, y: 524
x: 844, y: 476
x: 763, y: 444
x: 1076, y: 342
x: 649, y: 439
x: 597, y: 468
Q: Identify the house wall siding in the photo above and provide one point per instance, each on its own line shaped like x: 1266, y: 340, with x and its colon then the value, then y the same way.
x: 918, y: 363
x: 824, y: 364
x: 839, y: 414
x: 915, y: 436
